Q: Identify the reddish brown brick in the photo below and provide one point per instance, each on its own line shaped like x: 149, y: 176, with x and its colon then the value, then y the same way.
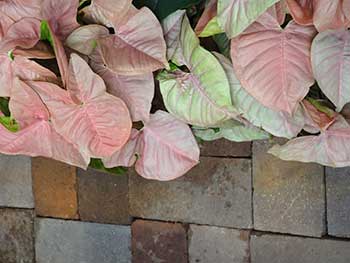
x: 225, y: 148
x: 54, y: 185
x: 158, y: 242
x: 103, y: 197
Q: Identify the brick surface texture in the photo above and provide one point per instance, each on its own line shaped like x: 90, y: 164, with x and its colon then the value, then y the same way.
x: 239, y: 205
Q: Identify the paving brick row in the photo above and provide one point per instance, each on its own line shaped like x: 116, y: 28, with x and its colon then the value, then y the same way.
x: 158, y: 242
x: 338, y: 201
x: 209, y: 244
x: 225, y: 148
x: 16, y: 236
x: 103, y: 197
x: 289, y: 197
x: 16, y: 182
x: 216, y: 192
x: 63, y: 241
x: 288, y: 249
x: 55, y: 189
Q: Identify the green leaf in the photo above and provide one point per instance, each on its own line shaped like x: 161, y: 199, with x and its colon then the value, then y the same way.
x: 45, y: 32
x: 98, y: 164
x: 235, y: 16
x: 201, y: 96
x: 211, y: 29
x: 163, y: 8
x: 223, y: 44
x: 9, y: 123
x: 4, y: 106
x: 232, y: 131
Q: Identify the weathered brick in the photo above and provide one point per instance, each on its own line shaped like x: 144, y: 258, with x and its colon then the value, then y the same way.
x: 55, y: 189
x: 16, y: 236
x: 209, y: 244
x: 225, y: 148
x: 103, y: 197
x: 158, y: 242
x: 216, y: 192
x: 289, y: 197
x: 65, y: 241
x: 338, y: 201
x: 16, y: 182
x: 288, y: 249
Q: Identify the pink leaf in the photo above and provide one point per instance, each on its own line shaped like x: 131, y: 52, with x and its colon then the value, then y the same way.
x: 125, y: 157
x: 23, y: 68
x: 331, y: 65
x: 167, y: 148
x: 40, y: 51
x: 25, y: 34
x: 18, y: 9
x: 37, y: 138
x: 273, y: 64
x: 5, y: 23
x: 319, y: 119
x: 137, y: 47
x: 97, y: 122
x: 302, y: 11
x: 106, y: 12
x: 331, y: 148
x: 136, y: 91
x: 330, y: 14
x: 61, y: 15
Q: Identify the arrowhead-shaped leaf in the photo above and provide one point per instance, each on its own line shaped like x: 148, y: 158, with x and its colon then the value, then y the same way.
x: 234, y: 16
x: 302, y: 11
x: 104, y: 121
x: 330, y: 148
x: 167, y: 148
x: 202, y: 96
x: 331, y: 65
x: 277, y: 123
x: 273, y: 64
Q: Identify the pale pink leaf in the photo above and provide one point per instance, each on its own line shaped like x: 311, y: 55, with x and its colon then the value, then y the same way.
x: 84, y: 39
x: 319, y: 120
x: 24, y: 34
x: 330, y: 15
x: 61, y: 15
x: 22, y: 68
x: 97, y: 122
x: 273, y: 64
x: 331, y: 65
x: 125, y: 157
x: 136, y: 91
x: 18, y: 9
x: 208, y: 14
x: 106, y: 12
x: 330, y: 148
x: 5, y: 23
x: 37, y: 136
x: 167, y: 148
x: 137, y: 47
x: 40, y: 51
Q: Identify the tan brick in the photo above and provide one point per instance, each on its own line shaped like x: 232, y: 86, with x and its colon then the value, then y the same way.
x: 55, y: 189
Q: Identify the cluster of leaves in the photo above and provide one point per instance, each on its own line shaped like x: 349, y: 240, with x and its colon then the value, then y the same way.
x: 284, y: 71
x: 258, y: 86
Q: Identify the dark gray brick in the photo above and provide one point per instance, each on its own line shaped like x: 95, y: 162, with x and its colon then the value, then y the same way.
x: 289, y: 197
x: 16, y: 182
x: 287, y: 249
x: 216, y: 192
x: 16, y: 236
x: 209, y: 244
x: 59, y: 241
x: 226, y: 148
x: 338, y: 201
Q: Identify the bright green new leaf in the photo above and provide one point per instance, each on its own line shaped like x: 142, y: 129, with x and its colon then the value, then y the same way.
x: 45, y: 32
x: 279, y: 124
x: 211, y: 29
x: 234, y: 16
x: 233, y: 131
x: 201, y: 96
x: 9, y: 123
